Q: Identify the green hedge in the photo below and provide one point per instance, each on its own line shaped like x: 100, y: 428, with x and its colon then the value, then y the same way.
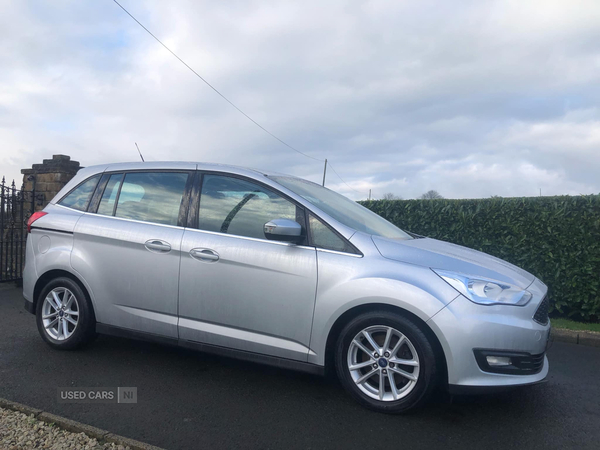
x: 555, y: 238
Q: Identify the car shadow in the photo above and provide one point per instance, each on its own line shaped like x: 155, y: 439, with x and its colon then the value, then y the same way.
x: 181, y: 363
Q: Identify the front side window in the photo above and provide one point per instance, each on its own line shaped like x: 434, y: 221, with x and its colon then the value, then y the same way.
x: 150, y: 197
x: 323, y: 237
x: 234, y: 206
x: 342, y: 209
x: 79, y: 198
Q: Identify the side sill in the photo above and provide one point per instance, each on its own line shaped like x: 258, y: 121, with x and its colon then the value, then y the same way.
x: 132, y: 334
x: 273, y: 361
x: 457, y: 389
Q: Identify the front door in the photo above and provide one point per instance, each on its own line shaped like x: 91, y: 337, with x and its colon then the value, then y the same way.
x: 238, y: 289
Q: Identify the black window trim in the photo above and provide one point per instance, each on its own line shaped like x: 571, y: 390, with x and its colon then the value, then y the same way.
x: 186, y: 199
x: 194, y: 202
x: 197, y: 199
x: 114, y: 211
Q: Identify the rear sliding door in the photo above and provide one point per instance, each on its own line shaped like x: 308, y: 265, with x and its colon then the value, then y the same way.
x: 128, y: 249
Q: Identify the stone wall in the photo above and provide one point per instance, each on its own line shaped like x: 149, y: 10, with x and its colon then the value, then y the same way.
x: 49, y: 177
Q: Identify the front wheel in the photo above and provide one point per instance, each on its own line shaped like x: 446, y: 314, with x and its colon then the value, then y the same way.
x: 64, y: 315
x: 385, y: 362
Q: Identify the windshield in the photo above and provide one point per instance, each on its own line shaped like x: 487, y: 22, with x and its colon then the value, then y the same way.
x: 342, y: 209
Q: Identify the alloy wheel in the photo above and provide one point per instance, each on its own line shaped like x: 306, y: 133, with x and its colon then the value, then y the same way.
x: 383, y: 363
x: 60, y: 313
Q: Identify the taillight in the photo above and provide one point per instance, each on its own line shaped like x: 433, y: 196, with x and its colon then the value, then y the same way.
x: 35, y: 216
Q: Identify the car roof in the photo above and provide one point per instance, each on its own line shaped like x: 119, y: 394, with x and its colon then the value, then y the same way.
x: 181, y: 165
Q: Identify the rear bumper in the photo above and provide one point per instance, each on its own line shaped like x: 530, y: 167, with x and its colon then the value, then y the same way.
x: 464, y: 327
x: 29, y: 271
x: 29, y: 307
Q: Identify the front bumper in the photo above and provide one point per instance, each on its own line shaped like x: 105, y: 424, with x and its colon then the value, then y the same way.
x: 457, y: 389
x: 464, y: 327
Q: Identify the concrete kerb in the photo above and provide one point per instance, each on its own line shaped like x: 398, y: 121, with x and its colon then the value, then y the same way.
x: 76, y: 427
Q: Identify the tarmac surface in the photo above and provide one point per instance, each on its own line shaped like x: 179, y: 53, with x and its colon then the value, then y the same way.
x: 193, y: 400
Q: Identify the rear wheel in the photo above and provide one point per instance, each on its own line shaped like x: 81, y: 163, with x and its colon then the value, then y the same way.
x: 64, y: 316
x: 385, y: 362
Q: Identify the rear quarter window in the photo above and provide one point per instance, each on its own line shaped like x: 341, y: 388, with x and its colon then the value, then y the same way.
x: 79, y: 198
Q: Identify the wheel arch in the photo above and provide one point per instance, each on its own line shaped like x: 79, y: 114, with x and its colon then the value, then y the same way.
x: 350, y: 314
x: 52, y: 274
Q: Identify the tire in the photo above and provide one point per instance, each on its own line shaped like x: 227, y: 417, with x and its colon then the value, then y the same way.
x: 79, y: 310
x: 413, y: 383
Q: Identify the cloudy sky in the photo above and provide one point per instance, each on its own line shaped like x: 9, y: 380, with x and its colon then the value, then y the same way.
x: 469, y: 98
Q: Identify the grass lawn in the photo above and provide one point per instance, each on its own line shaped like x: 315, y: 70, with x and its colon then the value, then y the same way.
x: 572, y: 325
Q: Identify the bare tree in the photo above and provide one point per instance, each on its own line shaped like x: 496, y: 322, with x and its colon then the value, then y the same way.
x: 431, y: 195
x: 391, y: 196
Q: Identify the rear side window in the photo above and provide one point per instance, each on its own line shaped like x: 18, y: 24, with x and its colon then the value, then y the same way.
x: 79, y: 198
x: 233, y: 206
x: 150, y: 197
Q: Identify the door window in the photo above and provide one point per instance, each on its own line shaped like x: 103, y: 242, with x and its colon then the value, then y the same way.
x: 151, y: 197
x: 234, y: 206
x: 79, y: 197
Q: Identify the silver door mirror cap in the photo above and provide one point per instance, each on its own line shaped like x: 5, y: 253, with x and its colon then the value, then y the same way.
x: 287, y: 230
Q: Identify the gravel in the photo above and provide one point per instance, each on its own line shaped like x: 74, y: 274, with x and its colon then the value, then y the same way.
x: 20, y: 431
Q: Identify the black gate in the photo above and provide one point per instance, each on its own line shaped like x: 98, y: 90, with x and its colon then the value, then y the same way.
x: 16, y: 205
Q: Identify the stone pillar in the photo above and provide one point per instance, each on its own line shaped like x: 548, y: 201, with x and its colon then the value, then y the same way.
x: 49, y: 177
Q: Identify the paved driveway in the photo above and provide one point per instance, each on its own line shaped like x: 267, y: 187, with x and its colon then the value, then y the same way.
x: 192, y: 400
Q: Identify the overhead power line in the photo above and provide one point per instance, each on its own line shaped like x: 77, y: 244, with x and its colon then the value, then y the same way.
x: 225, y: 98
x: 338, y: 175
x: 212, y: 87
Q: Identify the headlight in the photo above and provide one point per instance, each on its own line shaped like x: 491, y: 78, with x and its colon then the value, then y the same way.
x: 485, y: 291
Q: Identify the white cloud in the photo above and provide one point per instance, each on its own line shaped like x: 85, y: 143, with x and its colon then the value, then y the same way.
x: 469, y: 98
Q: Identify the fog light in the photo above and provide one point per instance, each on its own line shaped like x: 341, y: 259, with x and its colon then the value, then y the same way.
x: 495, y: 361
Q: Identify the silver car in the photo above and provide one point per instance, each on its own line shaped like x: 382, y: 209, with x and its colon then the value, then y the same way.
x: 275, y: 269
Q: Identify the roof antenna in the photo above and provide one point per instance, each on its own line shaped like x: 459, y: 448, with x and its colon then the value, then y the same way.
x: 139, y: 152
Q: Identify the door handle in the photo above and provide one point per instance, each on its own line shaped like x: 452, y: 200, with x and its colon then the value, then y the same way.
x: 157, y: 246
x: 204, y: 254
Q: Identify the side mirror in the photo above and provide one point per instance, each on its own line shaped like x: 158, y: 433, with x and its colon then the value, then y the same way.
x: 286, y: 230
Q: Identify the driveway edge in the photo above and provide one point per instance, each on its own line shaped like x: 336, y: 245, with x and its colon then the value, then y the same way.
x: 576, y: 337
x: 76, y: 427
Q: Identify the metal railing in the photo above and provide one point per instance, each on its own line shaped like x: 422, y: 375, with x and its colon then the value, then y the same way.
x: 16, y: 206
